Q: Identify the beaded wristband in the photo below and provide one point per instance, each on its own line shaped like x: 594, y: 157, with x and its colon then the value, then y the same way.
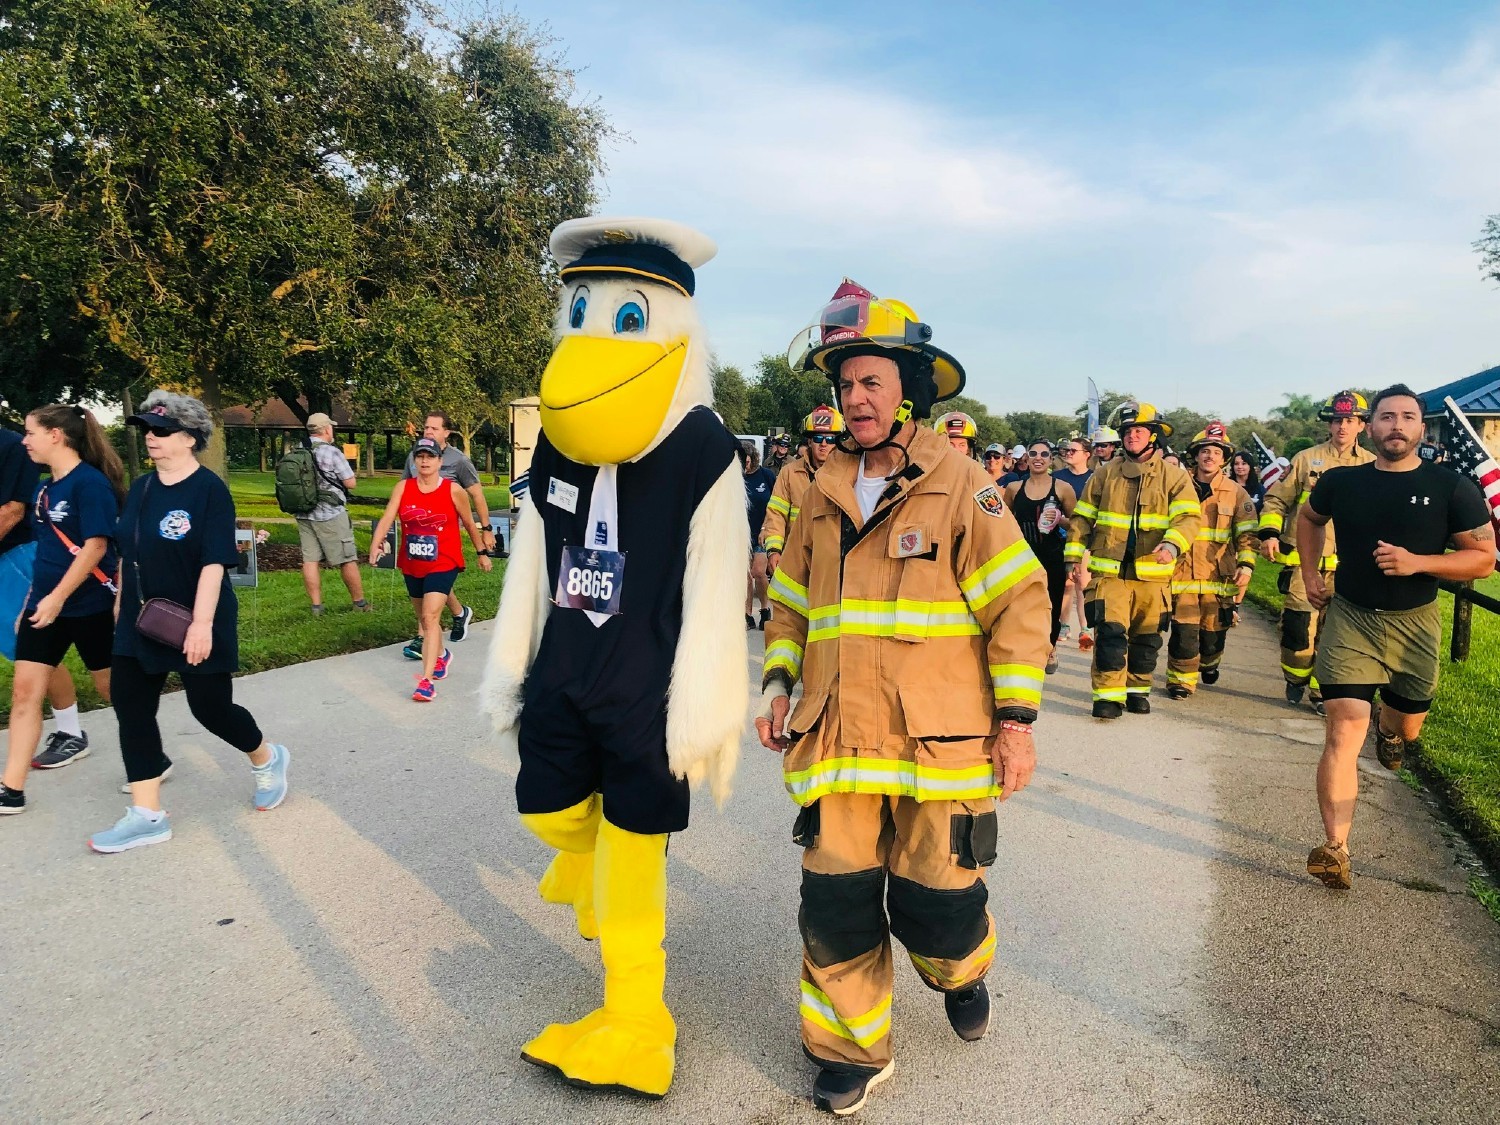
x: 1019, y: 728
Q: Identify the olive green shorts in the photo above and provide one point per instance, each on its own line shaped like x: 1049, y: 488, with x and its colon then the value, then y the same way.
x: 1394, y: 648
x: 330, y: 541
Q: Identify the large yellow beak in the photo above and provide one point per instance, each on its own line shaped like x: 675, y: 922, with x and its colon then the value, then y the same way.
x: 604, y: 400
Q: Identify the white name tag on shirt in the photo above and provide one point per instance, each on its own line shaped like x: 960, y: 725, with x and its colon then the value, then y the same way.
x: 563, y: 494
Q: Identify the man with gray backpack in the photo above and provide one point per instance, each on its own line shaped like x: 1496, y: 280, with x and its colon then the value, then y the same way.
x: 313, y: 483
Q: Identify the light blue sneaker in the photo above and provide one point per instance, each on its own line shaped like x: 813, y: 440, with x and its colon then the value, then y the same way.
x: 131, y: 831
x: 270, y: 779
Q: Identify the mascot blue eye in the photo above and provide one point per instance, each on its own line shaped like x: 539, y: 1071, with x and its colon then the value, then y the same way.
x: 575, y: 315
x: 630, y: 317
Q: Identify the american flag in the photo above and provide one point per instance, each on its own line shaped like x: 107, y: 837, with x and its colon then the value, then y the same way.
x: 1468, y: 454
x: 1267, y: 464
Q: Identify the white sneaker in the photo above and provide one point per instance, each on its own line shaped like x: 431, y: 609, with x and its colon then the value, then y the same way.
x: 126, y: 787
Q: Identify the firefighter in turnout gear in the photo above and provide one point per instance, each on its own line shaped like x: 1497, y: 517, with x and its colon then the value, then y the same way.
x: 961, y: 432
x: 1136, y: 516
x: 820, y: 429
x: 916, y: 618
x: 1212, y: 574
x: 1346, y: 414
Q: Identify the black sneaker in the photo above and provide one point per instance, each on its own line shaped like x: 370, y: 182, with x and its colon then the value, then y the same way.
x: 413, y: 649
x: 969, y: 1012
x: 1107, y: 709
x: 1389, y: 748
x: 1316, y: 699
x: 765, y: 615
x: 61, y: 750
x: 12, y: 801
x: 461, y: 623
x: 841, y: 1093
x: 1177, y: 691
x: 749, y: 622
x: 1294, y: 693
x: 1138, y: 704
x: 1209, y: 675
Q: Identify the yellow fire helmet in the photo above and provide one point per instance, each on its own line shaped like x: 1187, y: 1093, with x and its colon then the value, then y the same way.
x: 1345, y: 404
x: 957, y: 424
x: 823, y: 420
x: 1212, y: 434
x: 856, y: 322
x: 1142, y: 414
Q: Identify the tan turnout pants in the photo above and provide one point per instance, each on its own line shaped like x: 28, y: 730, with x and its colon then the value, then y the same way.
x: 867, y: 854
x: 1128, y: 617
x: 1199, y: 626
x: 1301, y: 622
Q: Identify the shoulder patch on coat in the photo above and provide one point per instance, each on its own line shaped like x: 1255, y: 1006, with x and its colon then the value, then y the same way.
x: 988, y: 499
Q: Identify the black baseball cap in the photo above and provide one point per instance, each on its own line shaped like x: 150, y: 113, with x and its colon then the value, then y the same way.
x: 426, y: 445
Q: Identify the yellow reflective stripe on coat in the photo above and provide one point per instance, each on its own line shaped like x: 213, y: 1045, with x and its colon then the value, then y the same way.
x: 998, y: 575
x: 1177, y: 539
x: 1270, y: 521
x: 1147, y: 569
x: 1098, y: 564
x: 1017, y: 681
x: 1085, y: 509
x: 1214, y: 535
x: 1246, y: 557
x: 892, y: 777
x: 1204, y: 586
x: 1180, y: 508
x: 1150, y: 521
x: 905, y: 618
x: 775, y: 543
x: 1073, y: 551
x: 1292, y: 558
x: 1245, y: 527
x: 1303, y: 495
x: 865, y: 1030
x: 785, y: 654
x: 788, y: 593
x: 1112, y: 519
x: 779, y: 504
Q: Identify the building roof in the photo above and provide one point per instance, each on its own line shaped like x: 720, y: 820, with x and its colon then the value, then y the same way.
x: 1475, y: 394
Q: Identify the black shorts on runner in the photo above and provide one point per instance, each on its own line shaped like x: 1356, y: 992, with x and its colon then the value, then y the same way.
x: 93, y: 635
x: 439, y: 582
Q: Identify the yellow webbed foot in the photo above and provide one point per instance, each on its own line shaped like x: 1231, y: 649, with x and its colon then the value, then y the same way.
x: 550, y: 1047
x: 569, y: 880
x: 633, y: 1054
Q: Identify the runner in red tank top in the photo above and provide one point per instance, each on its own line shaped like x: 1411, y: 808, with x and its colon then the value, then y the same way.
x: 431, y: 554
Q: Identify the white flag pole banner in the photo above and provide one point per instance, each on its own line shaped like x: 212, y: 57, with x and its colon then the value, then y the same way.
x: 1469, y: 455
x: 1093, y: 411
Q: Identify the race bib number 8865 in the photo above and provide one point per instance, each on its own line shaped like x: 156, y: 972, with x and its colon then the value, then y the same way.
x: 590, y: 580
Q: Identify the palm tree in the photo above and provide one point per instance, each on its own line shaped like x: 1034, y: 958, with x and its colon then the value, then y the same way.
x: 1298, y: 408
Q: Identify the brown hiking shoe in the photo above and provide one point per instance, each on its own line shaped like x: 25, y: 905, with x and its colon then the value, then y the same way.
x: 1330, y: 863
x: 1388, y: 748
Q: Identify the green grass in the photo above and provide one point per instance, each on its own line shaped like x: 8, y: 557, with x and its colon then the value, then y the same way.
x: 1488, y: 896
x: 1460, y: 752
x: 276, y: 628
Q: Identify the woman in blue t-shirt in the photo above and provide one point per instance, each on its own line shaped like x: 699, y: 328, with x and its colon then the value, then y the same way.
x: 176, y: 537
x: 72, y: 598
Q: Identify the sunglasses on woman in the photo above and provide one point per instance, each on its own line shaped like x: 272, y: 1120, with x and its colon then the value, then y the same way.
x: 157, y: 431
x: 1039, y: 453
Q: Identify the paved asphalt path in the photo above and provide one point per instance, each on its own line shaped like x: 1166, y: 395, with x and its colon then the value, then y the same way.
x: 374, y: 950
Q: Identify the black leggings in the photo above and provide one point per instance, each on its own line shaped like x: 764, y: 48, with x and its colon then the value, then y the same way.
x: 1057, y: 587
x: 137, y: 694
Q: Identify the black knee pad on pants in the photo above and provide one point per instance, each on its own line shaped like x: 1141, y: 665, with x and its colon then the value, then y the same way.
x: 1110, y: 643
x: 1144, y: 649
x: 1184, y: 642
x: 1296, y: 629
x: 1211, y: 646
x: 934, y: 923
x: 841, y: 916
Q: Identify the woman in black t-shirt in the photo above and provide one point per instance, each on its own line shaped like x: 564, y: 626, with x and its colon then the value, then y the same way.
x: 1042, y: 505
x: 176, y: 539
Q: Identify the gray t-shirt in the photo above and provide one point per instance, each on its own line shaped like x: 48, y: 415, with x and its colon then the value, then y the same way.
x: 332, y: 466
x: 456, y: 467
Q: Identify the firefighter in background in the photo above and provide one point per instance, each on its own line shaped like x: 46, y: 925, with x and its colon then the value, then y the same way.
x: 1137, y: 515
x: 1106, y: 443
x: 1346, y: 414
x: 1214, y: 573
x: 961, y: 432
x: 779, y: 453
x: 820, y: 429
x: 916, y: 618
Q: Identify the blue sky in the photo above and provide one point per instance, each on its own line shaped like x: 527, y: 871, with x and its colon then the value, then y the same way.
x: 1208, y: 205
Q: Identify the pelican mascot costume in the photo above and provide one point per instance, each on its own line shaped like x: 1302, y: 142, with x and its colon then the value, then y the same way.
x: 618, y: 662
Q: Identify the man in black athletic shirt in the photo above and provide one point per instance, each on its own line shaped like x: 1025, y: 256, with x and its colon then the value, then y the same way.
x: 1396, y: 517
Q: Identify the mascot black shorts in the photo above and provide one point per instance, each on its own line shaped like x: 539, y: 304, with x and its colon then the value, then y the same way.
x: 617, y: 748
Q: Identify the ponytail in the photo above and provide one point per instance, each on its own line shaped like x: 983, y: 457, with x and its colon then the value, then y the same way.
x: 87, y: 438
